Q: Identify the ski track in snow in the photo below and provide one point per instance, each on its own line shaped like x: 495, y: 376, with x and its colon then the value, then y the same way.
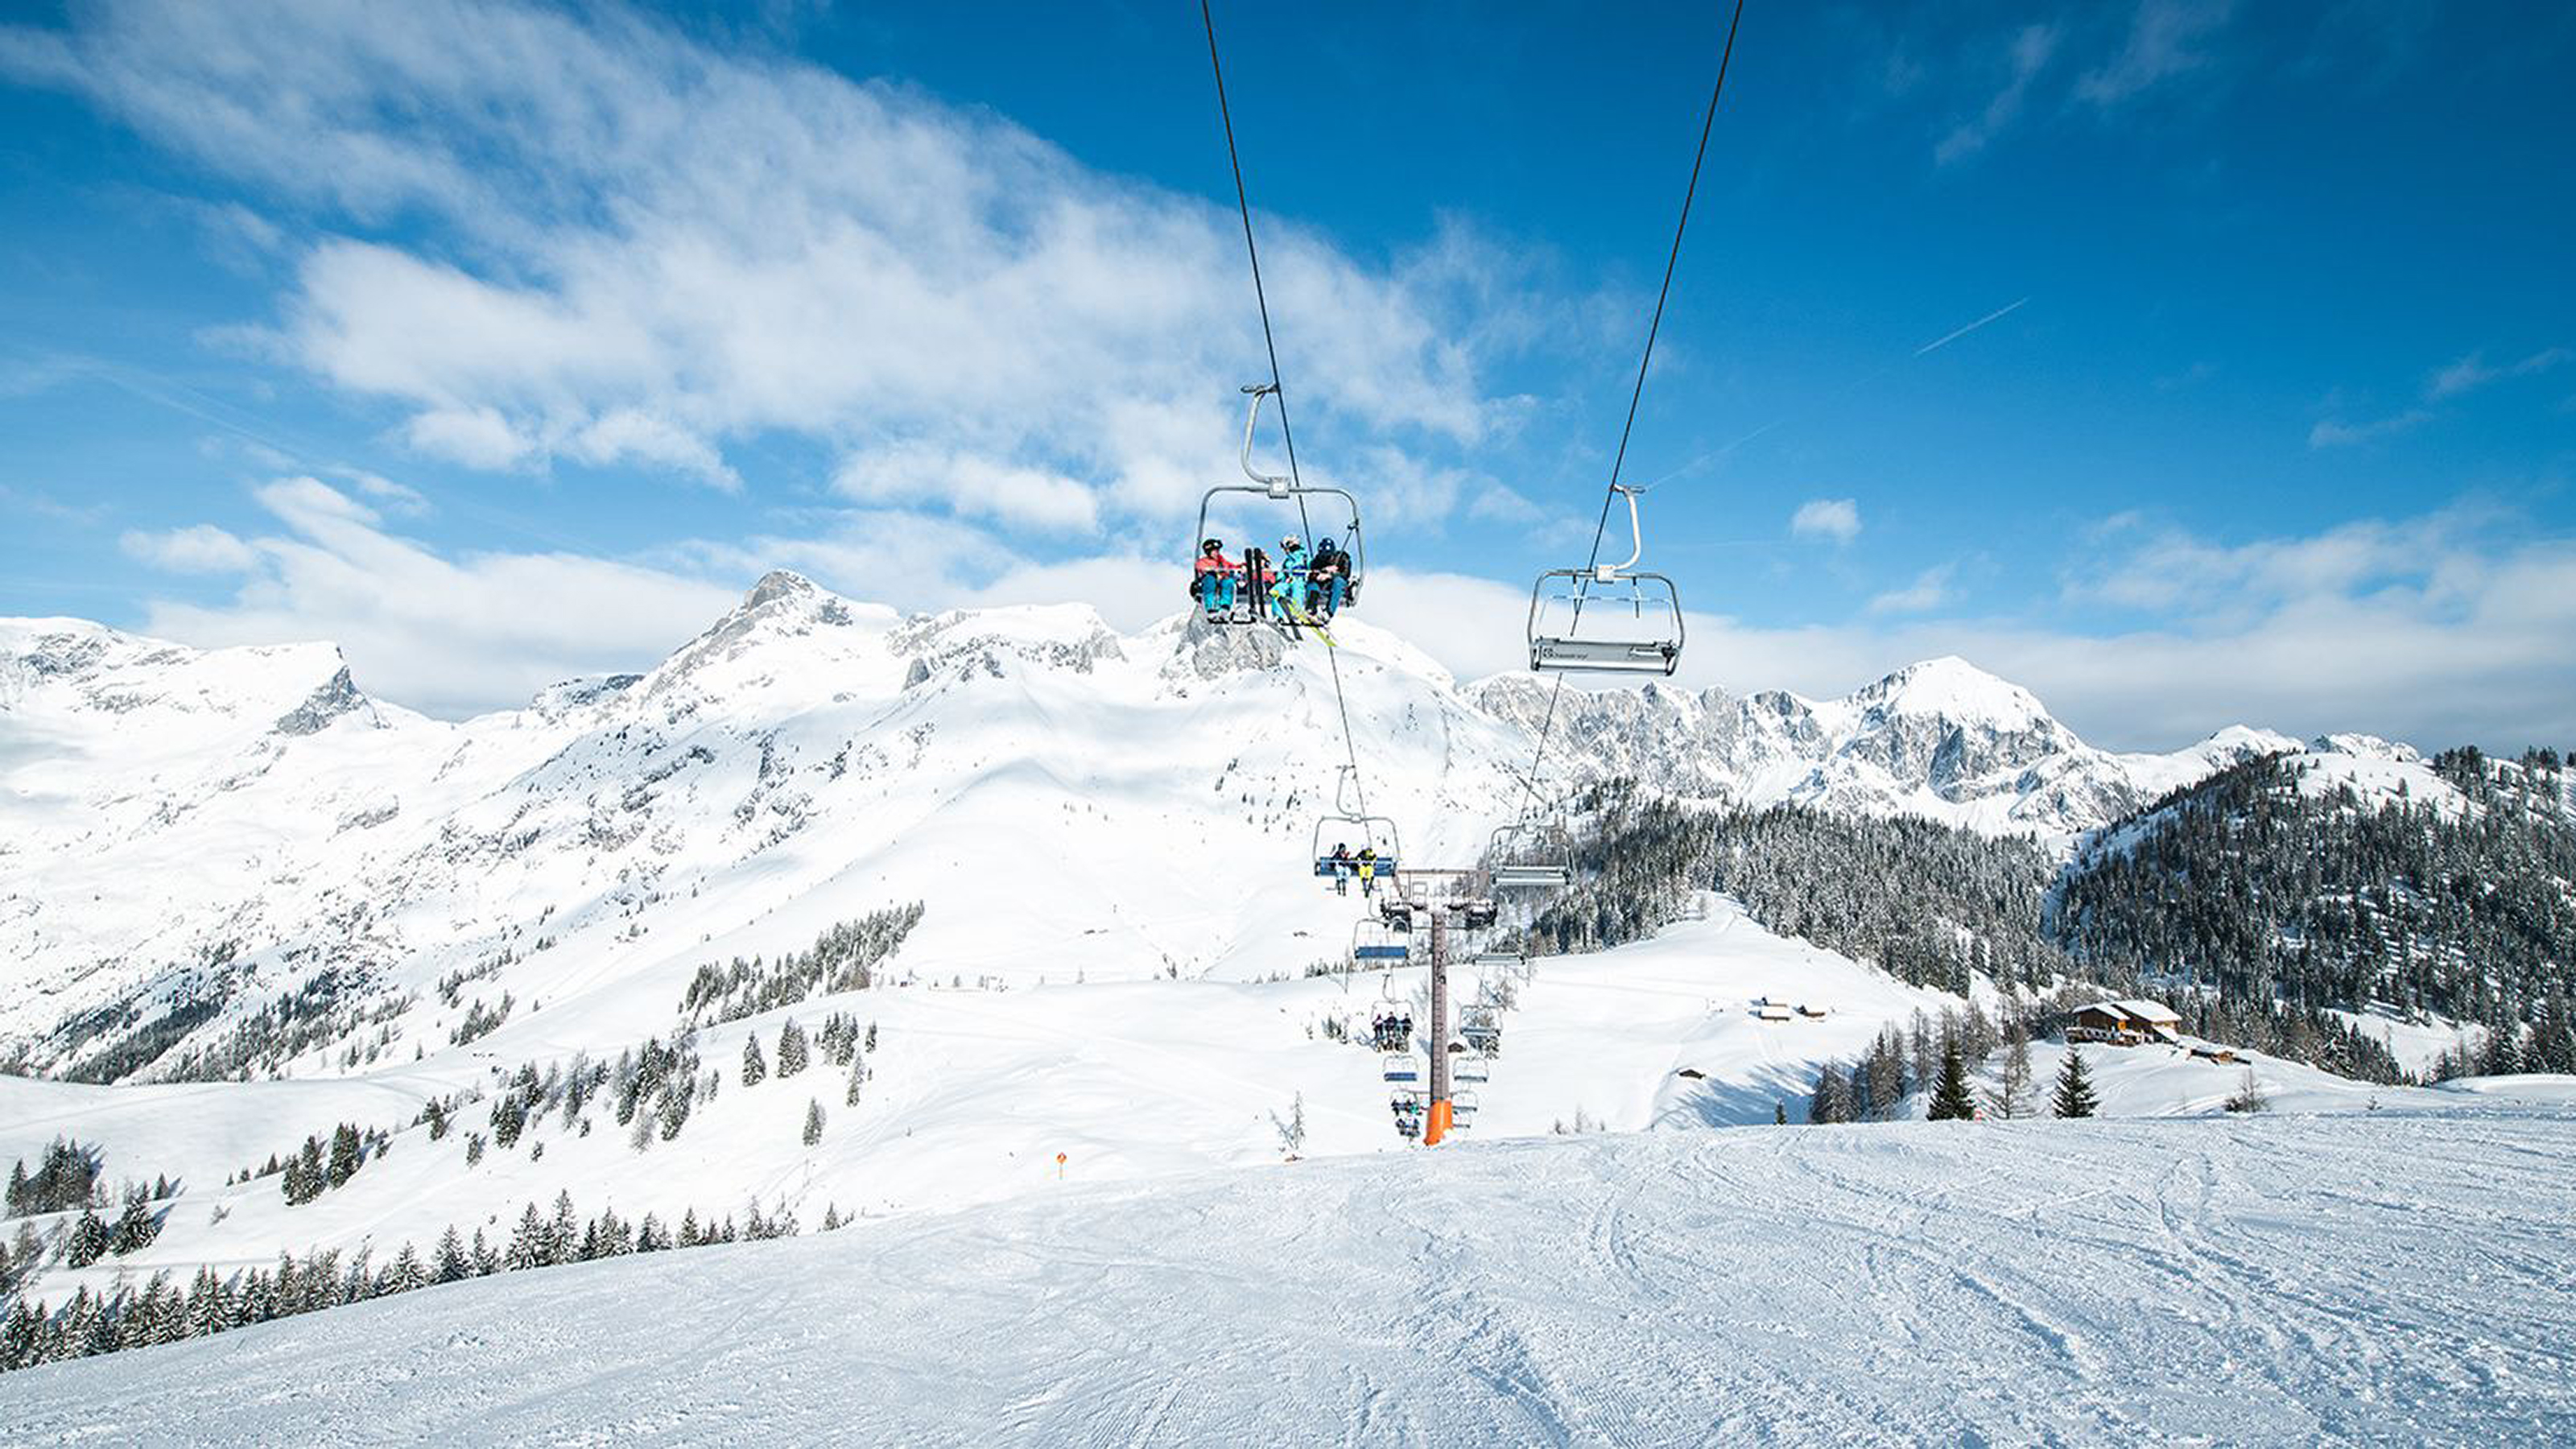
x: 2352, y: 1279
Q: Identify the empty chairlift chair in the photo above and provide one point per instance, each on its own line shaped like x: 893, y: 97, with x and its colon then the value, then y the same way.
x: 1528, y: 858
x: 1462, y: 1110
x: 1606, y: 618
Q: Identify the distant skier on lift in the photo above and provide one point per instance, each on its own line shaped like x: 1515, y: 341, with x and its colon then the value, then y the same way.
x: 1342, y: 866
x: 1368, y: 870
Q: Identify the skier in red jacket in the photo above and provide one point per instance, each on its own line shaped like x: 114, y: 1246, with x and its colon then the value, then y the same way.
x: 1212, y: 580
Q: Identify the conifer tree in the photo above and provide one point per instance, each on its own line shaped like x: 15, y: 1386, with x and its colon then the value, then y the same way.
x: 407, y: 1272
x: 450, y: 1265
x: 1951, y: 1101
x: 791, y: 1049
x: 136, y: 1227
x: 487, y: 1259
x: 2074, y: 1087
x: 648, y: 1235
x: 1828, y: 1104
x: 753, y: 1068
x: 344, y: 1155
x: 473, y: 1148
x: 2011, y: 1097
x: 529, y: 1246
x: 88, y: 1241
x: 813, y: 1121
x: 563, y: 1234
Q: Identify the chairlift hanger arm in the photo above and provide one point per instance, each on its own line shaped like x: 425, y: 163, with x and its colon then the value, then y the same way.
x: 1277, y: 486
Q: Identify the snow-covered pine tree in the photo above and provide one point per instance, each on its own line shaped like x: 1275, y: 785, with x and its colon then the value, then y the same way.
x: 87, y: 1242
x: 792, y: 1049
x: 135, y: 1227
x: 2011, y: 1096
x: 1950, y: 1099
x: 344, y: 1155
x: 528, y: 1246
x: 858, y: 1074
x: 450, y: 1265
x: 563, y: 1232
x: 813, y: 1121
x: 2074, y: 1087
x: 407, y: 1272
x: 753, y: 1068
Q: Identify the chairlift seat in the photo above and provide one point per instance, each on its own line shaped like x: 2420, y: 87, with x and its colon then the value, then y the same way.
x: 1609, y: 656
x: 1531, y: 877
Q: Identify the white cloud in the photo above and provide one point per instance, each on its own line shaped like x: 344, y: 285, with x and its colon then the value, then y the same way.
x: 202, y: 549
x: 919, y: 477
x: 1834, y: 518
x: 2336, y: 433
x: 1929, y: 591
x: 2474, y: 371
x: 2026, y: 57
x: 475, y: 437
x: 449, y: 636
x: 2163, y: 42
x: 636, y: 249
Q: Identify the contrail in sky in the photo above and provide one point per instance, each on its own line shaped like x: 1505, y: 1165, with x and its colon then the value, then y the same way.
x: 1964, y: 331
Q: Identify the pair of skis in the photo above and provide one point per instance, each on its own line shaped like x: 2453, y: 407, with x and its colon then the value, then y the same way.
x: 1306, y: 620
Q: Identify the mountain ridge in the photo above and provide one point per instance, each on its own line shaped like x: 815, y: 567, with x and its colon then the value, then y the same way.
x: 192, y: 832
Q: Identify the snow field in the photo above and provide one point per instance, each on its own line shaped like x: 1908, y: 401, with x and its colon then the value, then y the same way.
x: 2369, y: 1278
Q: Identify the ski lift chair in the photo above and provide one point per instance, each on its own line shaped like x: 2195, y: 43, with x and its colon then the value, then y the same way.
x: 1480, y: 1031
x: 1462, y: 1110
x: 1526, y: 858
x: 1373, y: 832
x: 1401, y: 1068
x: 1276, y: 488
x: 1636, y: 618
x: 1375, y: 945
x: 1472, y: 1067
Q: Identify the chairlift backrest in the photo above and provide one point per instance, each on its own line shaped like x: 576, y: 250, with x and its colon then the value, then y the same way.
x: 1277, y: 488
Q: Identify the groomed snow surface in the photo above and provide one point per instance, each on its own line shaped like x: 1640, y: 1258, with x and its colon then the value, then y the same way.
x: 2365, y: 1278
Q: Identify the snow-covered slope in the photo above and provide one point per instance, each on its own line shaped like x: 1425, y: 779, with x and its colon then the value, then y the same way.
x: 2358, y: 1279
x: 972, y: 1093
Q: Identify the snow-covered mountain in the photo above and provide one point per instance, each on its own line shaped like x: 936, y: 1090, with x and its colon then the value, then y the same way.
x: 192, y: 837
x: 1942, y: 739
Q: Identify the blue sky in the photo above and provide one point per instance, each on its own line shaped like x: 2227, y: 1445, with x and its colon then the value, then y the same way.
x: 498, y: 342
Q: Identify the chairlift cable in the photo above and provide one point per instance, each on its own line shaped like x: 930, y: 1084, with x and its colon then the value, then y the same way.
x: 1610, y: 495
x: 1270, y: 341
